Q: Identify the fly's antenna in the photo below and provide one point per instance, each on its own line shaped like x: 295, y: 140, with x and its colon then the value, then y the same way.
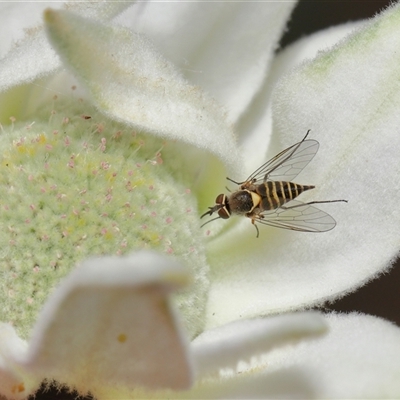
x: 209, y: 212
x: 212, y: 210
x: 211, y: 220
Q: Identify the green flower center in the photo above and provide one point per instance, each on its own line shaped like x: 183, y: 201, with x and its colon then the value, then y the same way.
x: 80, y: 185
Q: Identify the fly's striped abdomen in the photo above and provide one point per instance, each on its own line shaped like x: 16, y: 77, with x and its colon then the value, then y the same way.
x: 276, y: 193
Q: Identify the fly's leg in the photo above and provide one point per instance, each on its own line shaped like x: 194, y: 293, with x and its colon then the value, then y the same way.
x: 312, y: 202
x: 255, y: 226
x: 253, y: 218
x: 231, y: 180
x: 243, y: 185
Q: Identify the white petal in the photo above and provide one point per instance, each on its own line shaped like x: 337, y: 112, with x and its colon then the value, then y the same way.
x: 131, y: 82
x: 257, y: 124
x: 110, y: 323
x: 224, y: 47
x: 359, y: 358
x: 289, y: 383
x: 308, y: 48
x: 348, y: 97
x: 223, y: 359
x: 14, y: 382
x: 15, y: 18
x: 34, y: 58
x: 239, y: 341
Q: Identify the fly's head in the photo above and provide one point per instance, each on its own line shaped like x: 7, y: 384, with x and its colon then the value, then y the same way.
x: 221, y: 208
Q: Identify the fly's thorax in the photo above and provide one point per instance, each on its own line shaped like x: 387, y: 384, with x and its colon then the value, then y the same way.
x: 250, y: 186
x: 276, y: 193
x: 243, y: 201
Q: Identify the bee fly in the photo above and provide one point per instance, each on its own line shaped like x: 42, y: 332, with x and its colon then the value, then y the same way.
x: 267, y: 195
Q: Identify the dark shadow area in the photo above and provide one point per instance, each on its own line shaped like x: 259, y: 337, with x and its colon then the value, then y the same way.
x: 379, y: 297
x: 52, y: 393
x: 312, y: 16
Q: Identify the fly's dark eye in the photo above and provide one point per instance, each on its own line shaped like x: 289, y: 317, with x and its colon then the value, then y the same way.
x: 223, y: 213
x: 220, y: 199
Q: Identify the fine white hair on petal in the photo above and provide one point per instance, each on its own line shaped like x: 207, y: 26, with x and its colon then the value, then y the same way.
x: 33, y: 57
x: 231, y: 62
x: 290, y: 383
x: 307, y: 48
x: 16, y: 18
x: 358, y: 359
x: 226, y: 346
x: 130, y: 81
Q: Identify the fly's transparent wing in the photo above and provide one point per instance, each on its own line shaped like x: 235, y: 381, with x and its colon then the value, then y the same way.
x: 287, y: 164
x: 297, y: 216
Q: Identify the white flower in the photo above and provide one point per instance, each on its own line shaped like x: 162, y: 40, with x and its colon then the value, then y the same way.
x: 136, y: 173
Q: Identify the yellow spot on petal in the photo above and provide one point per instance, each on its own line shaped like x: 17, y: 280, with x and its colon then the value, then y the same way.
x: 18, y: 388
x: 122, y: 338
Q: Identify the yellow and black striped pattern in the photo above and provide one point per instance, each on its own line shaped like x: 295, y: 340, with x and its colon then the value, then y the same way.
x: 276, y: 193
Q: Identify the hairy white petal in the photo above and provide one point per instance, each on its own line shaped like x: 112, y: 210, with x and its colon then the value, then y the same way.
x: 348, y: 97
x: 110, y: 323
x: 225, y: 47
x: 14, y: 382
x: 228, y: 361
x: 226, y: 346
x: 15, y: 18
x: 256, y: 125
x: 132, y: 82
x: 34, y: 58
x: 290, y: 383
x: 359, y: 358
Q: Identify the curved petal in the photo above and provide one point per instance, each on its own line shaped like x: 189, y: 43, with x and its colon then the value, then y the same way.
x: 359, y: 358
x: 110, y: 323
x: 256, y: 125
x: 34, y: 57
x: 239, y: 341
x: 131, y: 82
x: 224, y: 47
x: 290, y: 383
x: 14, y: 382
x: 308, y: 48
x: 15, y: 18
x: 222, y: 355
x: 347, y: 96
